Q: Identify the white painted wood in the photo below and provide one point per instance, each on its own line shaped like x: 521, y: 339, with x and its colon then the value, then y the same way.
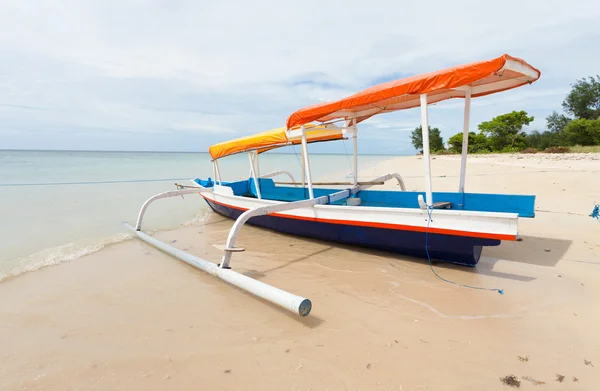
x: 461, y: 221
x: 465, y: 142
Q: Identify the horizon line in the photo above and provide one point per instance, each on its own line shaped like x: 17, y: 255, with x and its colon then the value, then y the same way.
x: 190, y: 152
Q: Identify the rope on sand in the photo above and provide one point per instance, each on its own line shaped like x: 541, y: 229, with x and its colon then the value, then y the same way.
x: 429, y: 211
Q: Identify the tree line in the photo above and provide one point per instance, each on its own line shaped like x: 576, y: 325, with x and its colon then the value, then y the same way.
x: 579, y: 124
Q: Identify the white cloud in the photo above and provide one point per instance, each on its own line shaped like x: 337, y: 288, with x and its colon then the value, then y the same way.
x: 184, y: 69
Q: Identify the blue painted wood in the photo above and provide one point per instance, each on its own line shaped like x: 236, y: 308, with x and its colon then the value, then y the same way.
x: 447, y: 248
x: 524, y: 205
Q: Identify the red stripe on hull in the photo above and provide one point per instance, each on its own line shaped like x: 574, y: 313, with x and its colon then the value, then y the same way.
x: 399, y: 227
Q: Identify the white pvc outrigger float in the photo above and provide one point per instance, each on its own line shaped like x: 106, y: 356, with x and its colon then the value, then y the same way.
x: 296, y: 304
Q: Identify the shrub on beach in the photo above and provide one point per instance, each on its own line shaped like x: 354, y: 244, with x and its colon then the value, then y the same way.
x: 557, y: 150
x: 529, y: 150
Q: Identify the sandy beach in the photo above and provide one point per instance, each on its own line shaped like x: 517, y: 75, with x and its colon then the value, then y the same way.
x: 131, y: 318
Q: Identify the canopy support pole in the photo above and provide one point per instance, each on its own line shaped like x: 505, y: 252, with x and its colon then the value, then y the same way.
x: 303, y: 173
x: 257, y: 164
x: 426, y: 158
x: 355, y: 141
x: 218, y: 173
x: 253, y: 173
x: 307, y: 164
x: 465, y: 141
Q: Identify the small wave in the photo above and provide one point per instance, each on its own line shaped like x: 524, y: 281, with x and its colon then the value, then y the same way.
x: 204, y: 214
x: 56, y: 255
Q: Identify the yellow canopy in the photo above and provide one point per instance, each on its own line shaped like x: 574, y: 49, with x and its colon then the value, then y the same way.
x: 274, y: 138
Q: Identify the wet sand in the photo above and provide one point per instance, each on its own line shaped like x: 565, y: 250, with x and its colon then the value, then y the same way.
x: 129, y: 317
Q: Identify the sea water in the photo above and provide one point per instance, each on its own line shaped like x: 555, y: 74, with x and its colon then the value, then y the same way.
x: 51, y: 213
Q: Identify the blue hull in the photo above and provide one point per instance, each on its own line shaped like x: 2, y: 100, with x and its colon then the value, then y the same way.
x: 447, y: 248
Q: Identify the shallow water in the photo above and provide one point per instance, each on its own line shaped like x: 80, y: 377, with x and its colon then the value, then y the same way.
x: 43, y: 224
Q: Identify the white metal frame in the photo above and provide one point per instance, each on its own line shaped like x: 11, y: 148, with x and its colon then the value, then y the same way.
x: 167, y: 194
x: 217, y: 171
x: 280, y: 172
x: 276, y: 207
x: 296, y: 304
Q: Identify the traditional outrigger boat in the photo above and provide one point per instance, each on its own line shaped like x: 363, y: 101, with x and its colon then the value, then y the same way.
x: 446, y: 226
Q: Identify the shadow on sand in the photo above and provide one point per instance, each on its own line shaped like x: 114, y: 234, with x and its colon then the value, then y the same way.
x: 531, y: 250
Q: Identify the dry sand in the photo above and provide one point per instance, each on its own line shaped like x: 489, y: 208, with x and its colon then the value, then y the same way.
x: 131, y: 318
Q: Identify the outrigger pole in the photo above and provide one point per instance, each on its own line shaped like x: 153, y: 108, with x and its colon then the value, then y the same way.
x: 296, y: 304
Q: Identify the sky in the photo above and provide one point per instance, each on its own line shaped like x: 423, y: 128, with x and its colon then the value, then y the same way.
x: 180, y: 75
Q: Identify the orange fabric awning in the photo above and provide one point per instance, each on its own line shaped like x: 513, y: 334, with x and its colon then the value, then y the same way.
x: 483, y: 77
x: 271, y: 139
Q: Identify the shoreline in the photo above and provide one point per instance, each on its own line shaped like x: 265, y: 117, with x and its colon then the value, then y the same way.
x: 129, y: 316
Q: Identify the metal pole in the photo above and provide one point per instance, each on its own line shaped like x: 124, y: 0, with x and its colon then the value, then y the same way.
x: 253, y: 173
x: 307, y: 164
x: 355, y: 140
x: 218, y: 172
x: 257, y: 164
x: 465, y: 141
x: 426, y: 158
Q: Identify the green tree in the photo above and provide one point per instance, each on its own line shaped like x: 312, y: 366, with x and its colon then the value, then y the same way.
x: 556, y: 123
x: 477, y: 142
x: 436, y: 142
x: 583, y: 132
x: 584, y: 99
x: 505, y: 132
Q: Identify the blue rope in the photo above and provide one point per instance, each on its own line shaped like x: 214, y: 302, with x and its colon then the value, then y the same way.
x: 90, y: 183
x: 429, y: 210
x: 596, y: 212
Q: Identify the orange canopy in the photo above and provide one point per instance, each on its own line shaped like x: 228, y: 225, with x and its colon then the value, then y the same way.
x: 271, y: 139
x: 483, y: 78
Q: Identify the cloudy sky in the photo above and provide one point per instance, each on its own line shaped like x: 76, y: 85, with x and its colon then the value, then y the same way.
x: 180, y: 75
